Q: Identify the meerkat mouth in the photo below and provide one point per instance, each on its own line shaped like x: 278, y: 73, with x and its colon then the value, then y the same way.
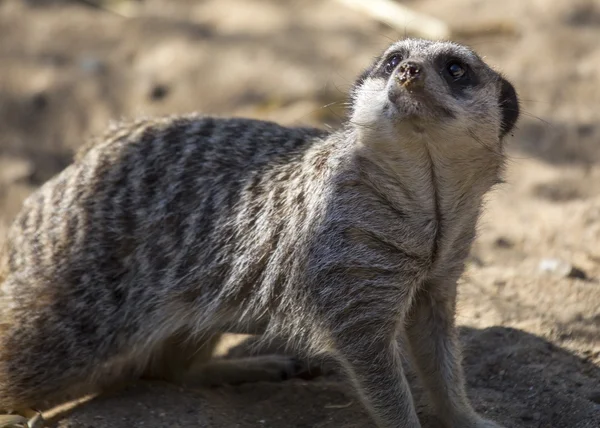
x: 415, y: 106
x: 409, y: 95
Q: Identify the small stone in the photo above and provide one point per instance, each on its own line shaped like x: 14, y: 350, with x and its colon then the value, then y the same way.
x: 561, y: 268
x: 577, y: 273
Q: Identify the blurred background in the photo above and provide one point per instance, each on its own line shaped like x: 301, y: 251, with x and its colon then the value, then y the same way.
x: 530, y: 299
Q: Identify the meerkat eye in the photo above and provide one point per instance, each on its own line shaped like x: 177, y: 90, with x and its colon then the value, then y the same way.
x: 392, y: 63
x: 456, y: 69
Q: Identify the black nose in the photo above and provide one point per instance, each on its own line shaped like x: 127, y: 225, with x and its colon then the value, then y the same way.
x: 409, y: 71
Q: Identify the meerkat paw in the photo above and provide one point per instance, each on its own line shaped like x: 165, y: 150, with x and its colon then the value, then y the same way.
x: 271, y: 368
x: 27, y: 418
x: 13, y: 421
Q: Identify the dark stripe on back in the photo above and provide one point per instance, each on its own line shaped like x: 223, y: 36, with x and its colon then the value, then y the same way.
x: 35, y: 231
x: 208, y: 127
x: 58, y: 193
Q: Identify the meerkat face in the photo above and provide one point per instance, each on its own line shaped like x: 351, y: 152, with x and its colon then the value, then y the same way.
x: 422, y: 86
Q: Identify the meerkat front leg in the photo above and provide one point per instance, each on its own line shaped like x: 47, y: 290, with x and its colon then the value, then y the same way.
x: 363, y: 322
x: 434, y: 344
x: 375, y: 368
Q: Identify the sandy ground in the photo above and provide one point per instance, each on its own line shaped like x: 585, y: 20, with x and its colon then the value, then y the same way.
x: 532, y: 337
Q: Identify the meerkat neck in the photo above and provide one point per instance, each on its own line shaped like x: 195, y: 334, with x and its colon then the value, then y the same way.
x: 462, y: 176
x: 444, y: 181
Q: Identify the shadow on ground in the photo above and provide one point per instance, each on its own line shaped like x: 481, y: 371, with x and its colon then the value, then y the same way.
x: 516, y: 378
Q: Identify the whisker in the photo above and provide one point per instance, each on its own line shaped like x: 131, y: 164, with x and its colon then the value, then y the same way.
x: 326, y: 106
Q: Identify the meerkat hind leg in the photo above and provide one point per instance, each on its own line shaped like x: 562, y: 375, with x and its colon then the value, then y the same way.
x: 190, y: 362
x: 268, y: 368
x: 175, y: 357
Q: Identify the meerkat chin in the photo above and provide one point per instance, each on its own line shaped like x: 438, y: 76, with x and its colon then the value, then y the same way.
x: 167, y: 232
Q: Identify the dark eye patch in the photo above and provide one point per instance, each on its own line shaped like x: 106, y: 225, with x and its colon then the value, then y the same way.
x: 391, y: 63
x: 378, y: 69
x: 457, y: 73
x: 387, y: 64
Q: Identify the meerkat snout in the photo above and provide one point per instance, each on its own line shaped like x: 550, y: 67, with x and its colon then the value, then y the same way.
x: 410, y: 75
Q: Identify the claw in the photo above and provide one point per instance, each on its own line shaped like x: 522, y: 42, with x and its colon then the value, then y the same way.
x: 28, y: 418
x: 36, y: 421
x: 12, y: 421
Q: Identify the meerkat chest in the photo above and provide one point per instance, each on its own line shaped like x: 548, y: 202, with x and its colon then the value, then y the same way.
x: 424, y: 221
x: 456, y: 222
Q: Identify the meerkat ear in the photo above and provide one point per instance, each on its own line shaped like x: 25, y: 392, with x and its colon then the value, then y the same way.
x: 509, y: 105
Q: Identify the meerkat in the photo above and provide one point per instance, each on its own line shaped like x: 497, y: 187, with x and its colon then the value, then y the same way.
x: 168, y: 232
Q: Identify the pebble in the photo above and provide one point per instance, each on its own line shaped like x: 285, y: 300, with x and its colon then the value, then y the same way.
x: 561, y: 268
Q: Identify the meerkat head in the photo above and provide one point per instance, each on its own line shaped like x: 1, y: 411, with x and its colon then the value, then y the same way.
x: 430, y: 88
